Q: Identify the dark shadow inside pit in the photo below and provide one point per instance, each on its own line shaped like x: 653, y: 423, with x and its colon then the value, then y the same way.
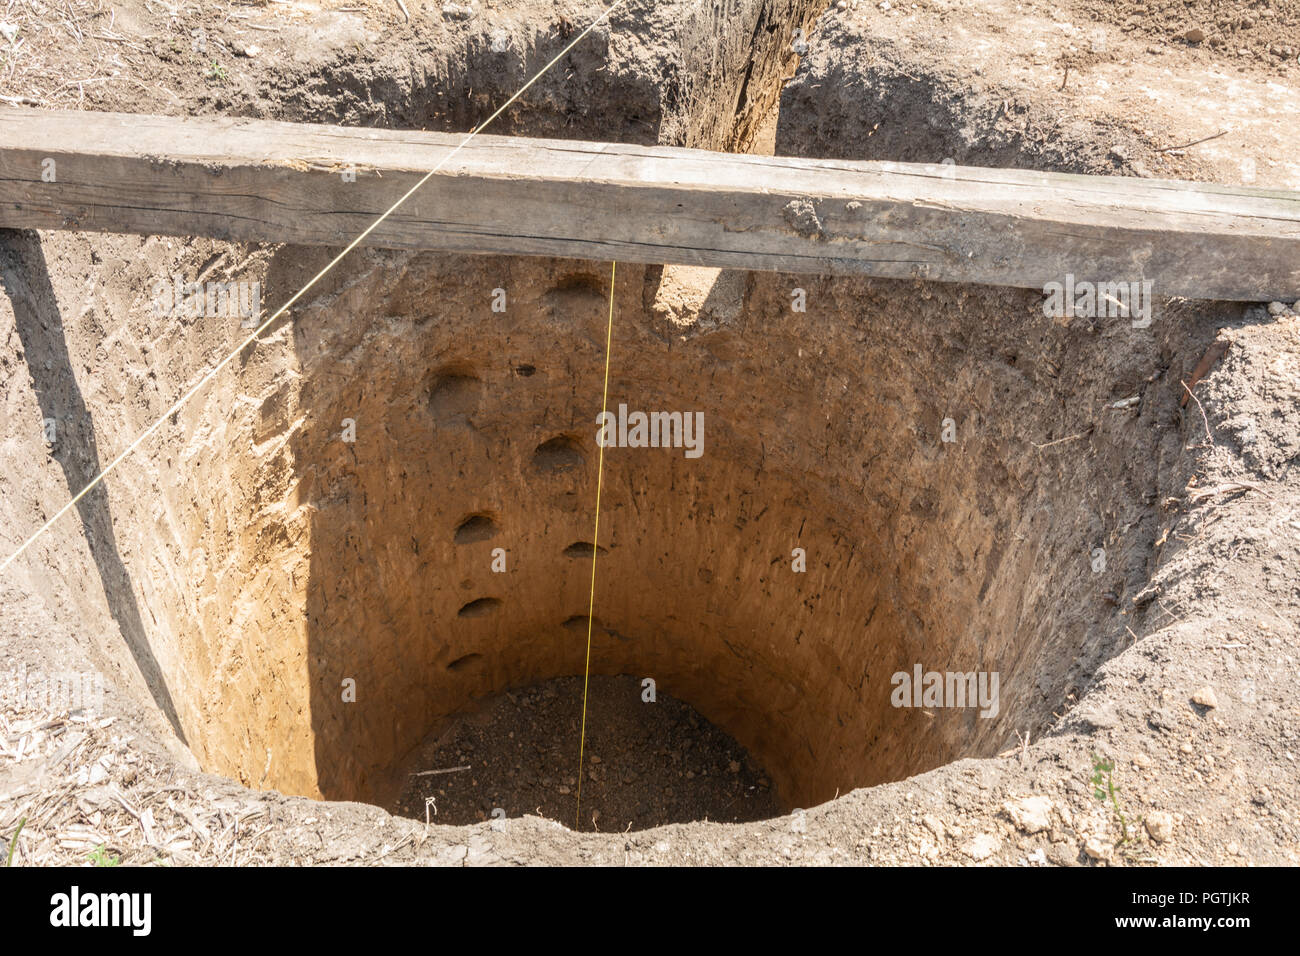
x: 25, y: 278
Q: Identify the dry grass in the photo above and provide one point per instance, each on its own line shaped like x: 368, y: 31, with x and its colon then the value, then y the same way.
x: 34, y: 59
x: 58, y: 54
x: 83, y: 789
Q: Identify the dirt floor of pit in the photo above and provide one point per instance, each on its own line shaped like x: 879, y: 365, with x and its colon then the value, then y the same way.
x: 1210, y: 775
x: 648, y: 763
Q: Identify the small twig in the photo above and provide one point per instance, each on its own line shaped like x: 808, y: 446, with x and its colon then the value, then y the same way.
x: 1195, y: 142
x: 1172, y: 616
x: 1227, y: 487
x: 1208, y: 437
x: 1082, y: 434
x: 1147, y: 594
x: 426, y: 773
x: 404, y: 11
x: 1022, y: 747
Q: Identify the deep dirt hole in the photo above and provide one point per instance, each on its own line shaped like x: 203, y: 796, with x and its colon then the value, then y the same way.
x: 823, y: 438
x: 346, y: 576
x: 330, y: 615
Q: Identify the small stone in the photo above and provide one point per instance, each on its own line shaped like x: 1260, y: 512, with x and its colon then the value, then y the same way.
x: 842, y: 5
x: 734, y: 766
x: 1142, y: 761
x: 1194, y: 35
x: 1030, y: 814
x: 1205, y: 697
x: 934, y: 825
x: 1233, y: 849
x: 1099, y: 716
x: 1160, y: 825
x: 1276, y: 308
x: 981, y: 846
x: 1185, y: 748
x: 1098, y: 849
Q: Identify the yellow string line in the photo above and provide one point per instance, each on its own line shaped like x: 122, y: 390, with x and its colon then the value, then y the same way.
x: 301, y: 292
x: 595, y: 546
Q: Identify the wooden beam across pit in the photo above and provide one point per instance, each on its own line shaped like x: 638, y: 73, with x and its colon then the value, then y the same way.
x: 255, y: 180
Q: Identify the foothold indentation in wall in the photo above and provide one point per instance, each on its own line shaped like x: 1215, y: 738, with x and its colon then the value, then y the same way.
x: 578, y: 623
x: 558, y: 454
x: 582, y: 549
x: 476, y: 527
x: 454, y: 395
x: 461, y: 663
x: 578, y: 295
x: 479, y: 607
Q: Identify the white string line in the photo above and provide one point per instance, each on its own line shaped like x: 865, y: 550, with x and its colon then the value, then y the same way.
x: 299, y: 294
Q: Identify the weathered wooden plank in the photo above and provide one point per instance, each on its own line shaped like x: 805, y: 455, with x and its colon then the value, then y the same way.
x: 265, y: 181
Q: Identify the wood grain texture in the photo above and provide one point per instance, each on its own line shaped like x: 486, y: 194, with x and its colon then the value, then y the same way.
x: 256, y: 180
